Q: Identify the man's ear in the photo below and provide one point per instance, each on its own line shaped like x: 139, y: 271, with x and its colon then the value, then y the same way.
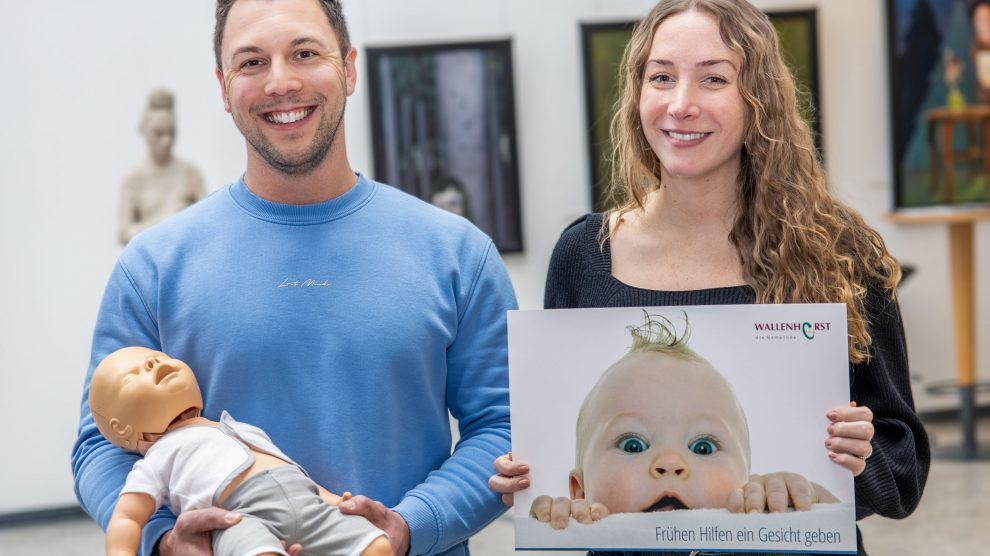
x: 223, y: 89
x: 350, y: 70
x: 577, y: 484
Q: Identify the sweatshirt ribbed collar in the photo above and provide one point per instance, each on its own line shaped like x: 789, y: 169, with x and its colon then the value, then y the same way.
x: 316, y: 213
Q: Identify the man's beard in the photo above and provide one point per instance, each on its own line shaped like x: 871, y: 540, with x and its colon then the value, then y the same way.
x: 326, y: 135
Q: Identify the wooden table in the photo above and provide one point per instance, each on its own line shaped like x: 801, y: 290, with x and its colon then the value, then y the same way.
x: 961, y: 255
x: 944, y: 154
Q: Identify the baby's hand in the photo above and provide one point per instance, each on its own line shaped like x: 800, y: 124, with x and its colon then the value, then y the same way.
x: 558, y: 511
x: 776, y: 492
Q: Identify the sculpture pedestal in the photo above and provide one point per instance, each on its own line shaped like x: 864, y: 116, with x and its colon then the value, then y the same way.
x: 961, y: 255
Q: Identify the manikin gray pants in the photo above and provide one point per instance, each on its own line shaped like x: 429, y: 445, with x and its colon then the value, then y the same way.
x: 284, y: 504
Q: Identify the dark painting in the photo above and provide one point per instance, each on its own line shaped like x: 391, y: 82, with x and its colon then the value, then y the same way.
x: 443, y: 127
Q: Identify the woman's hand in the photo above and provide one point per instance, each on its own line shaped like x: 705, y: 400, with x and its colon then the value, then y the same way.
x: 849, y: 436
x: 511, y: 476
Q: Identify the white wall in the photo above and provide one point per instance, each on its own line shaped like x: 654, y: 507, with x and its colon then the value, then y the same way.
x: 76, y: 75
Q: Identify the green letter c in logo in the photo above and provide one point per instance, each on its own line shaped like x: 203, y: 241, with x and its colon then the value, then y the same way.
x: 808, y: 330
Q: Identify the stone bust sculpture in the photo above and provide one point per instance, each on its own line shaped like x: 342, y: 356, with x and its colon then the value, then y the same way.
x: 161, y: 185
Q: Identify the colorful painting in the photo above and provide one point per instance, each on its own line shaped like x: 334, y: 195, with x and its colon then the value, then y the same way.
x: 443, y: 127
x: 940, y: 101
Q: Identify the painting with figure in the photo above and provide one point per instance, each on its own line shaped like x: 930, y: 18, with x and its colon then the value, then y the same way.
x: 443, y: 128
x: 603, y: 44
x: 939, y: 56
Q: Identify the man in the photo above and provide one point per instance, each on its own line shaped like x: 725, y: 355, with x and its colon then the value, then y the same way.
x: 340, y: 315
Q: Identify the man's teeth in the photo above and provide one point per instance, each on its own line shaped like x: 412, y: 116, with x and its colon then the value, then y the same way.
x: 686, y: 136
x: 288, y: 117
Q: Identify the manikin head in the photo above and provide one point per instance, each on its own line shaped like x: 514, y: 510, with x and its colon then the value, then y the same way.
x: 136, y: 393
x: 661, y: 430
x: 158, y: 125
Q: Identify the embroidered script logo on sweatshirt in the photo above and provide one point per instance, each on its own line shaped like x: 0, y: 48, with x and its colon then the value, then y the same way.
x: 307, y: 283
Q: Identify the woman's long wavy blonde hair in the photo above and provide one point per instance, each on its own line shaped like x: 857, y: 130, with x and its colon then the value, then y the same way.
x: 797, y: 244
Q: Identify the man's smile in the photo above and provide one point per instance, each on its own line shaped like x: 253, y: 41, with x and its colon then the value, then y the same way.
x: 290, y: 116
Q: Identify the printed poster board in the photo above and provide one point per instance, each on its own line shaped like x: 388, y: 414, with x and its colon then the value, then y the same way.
x: 663, y: 431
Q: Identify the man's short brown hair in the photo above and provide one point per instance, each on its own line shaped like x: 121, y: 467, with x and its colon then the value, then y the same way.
x: 332, y: 8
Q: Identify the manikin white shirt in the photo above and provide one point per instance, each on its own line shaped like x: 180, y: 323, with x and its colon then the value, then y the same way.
x: 189, y: 467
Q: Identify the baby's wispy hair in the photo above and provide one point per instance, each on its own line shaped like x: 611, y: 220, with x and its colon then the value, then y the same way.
x: 658, y: 334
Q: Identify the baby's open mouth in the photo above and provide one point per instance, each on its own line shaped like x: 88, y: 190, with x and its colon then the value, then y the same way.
x: 667, y: 503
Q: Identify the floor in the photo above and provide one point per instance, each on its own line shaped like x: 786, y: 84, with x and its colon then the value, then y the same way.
x: 953, y: 518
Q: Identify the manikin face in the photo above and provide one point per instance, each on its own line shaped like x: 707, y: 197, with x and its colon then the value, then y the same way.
x: 661, y: 433
x: 285, y: 82
x: 692, y: 113
x: 158, y: 128
x: 140, y: 392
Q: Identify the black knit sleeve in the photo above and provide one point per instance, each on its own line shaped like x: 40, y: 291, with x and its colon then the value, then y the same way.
x: 569, y: 267
x: 895, y: 475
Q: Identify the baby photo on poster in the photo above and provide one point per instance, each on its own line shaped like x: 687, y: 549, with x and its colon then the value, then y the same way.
x: 680, y: 428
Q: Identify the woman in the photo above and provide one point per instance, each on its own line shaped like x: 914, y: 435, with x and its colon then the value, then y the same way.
x: 723, y: 200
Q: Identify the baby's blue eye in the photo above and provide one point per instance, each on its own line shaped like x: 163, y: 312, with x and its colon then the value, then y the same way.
x: 633, y: 445
x: 703, y: 447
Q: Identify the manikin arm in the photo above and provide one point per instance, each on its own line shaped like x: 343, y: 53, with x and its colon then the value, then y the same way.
x: 129, y: 517
x: 331, y: 498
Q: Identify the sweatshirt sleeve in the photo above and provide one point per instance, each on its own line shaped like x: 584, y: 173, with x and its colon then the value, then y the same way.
x: 454, y: 501
x: 895, y: 474
x: 99, y: 469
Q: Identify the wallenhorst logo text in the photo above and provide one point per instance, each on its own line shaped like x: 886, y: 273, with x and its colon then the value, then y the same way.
x: 807, y: 329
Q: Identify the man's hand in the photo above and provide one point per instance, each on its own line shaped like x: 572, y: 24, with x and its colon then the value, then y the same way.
x: 558, y: 511
x: 775, y: 492
x: 849, y: 434
x: 384, y: 518
x: 511, y: 477
x: 191, y: 535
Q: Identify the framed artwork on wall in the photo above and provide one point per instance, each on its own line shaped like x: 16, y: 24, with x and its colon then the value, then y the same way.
x: 602, y: 48
x: 443, y: 130
x: 939, y: 59
x: 602, y: 45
